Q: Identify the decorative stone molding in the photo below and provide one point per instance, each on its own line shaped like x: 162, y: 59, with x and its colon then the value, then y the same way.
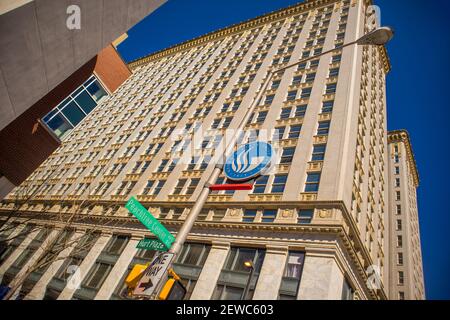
x: 265, y: 197
x: 285, y: 13
x: 324, y: 213
x: 403, y: 137
x: 308, y: 196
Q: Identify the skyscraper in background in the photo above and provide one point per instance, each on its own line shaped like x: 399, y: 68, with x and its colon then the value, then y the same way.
x: 317, y: 226
x: 406, y: 255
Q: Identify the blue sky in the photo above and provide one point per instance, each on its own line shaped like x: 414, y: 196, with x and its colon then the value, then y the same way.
x: 416, y: 89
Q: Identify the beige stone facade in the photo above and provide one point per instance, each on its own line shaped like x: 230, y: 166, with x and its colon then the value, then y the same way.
x: 315, y: 226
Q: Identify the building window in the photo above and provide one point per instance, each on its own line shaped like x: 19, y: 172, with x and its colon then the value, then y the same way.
x: 318, y: 153
x: 162, y: 165
x: 179, y: 187
x: 292, y: 275
x: 310, y: 77
x: 399, y: 209
x: 397, y: 195
x: 347, y: 291
x: 193, y: 163
x: 336, y: 58
x: 275, y: 84
x: 279, y: 183
x: 324, y: 128
x: 306, y: 93
x: 226, y: 123
x: 327, y: 106
x: 65, y: 116
x: 314, y: 63
x: 249, y: 215
x: 269, y: 215
x: 331, y: 88
x: 399, y: 241
x: 269, y: 99
x: 260, y: 184
x: 312, y: 182
x: 285, y: 113
x: 401, y: 278
x: 401, y: 295
x: 158, y: 187
x: 397, y: 170
x: 300, y: 111
x: 189, y: 264
x: 287, y: 156
x: 294, y: 132
x: 305, y: 216
x: 101, y: 268
x: 397, y: 182
x: 190, y: 190
x: 234, y: 275
x: 399, y: 225
x: 400, y: 258
x: 261, y: 117
x: 333, y: 72
x: 291, y: 95
x: 296, y: 80
x: 148, y: 187
x: 279, y: 133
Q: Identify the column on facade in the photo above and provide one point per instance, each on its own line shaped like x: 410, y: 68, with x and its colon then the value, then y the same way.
x: 86, y: 265
x: 322, y: 279
x: 38, y: 291
x: 207, y: 280
x: 116, y: 273
x: 14, y: 234
x: 271, y: 274
x: 8, y: 262
x: 29, y: 264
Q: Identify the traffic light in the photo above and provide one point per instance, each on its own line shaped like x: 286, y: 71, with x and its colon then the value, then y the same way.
x: 134, y: 276
x: 173, y: 289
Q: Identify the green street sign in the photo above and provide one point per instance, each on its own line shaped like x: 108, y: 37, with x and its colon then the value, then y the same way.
x: 151, y: 244
x: 150, y: 222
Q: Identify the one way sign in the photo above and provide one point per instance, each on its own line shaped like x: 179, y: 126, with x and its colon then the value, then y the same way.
x: 153, y: 274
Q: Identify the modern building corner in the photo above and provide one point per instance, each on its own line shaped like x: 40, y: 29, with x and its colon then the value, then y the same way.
x: 43, y: 60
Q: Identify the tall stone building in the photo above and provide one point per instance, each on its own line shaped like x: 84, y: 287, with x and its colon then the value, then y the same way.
x: 315, y: 227
x: 406, y: 255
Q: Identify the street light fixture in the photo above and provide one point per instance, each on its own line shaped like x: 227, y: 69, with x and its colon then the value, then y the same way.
x: 248, y: 264
x: 379, y: 36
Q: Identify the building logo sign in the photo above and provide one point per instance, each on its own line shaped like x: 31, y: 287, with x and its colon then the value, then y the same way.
x: 248, y: 161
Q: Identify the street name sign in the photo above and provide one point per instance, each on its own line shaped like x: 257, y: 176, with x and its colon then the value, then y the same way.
x: 150, y: 222
x: 151, y: 244
x: 153, y: 274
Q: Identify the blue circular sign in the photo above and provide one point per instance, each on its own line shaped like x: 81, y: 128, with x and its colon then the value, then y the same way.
x: 248, y: 161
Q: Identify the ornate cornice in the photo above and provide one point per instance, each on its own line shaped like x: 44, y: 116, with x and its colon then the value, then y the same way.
x: 233, y: 29
x: 385, y: 59
x: 348, y: 231
x: 403, y: 136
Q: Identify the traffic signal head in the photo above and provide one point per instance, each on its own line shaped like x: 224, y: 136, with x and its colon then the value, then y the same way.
x: 135, y: 274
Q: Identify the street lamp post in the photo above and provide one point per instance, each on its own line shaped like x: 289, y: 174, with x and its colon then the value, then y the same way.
x: 379, y: 36
x: 249, y: 265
